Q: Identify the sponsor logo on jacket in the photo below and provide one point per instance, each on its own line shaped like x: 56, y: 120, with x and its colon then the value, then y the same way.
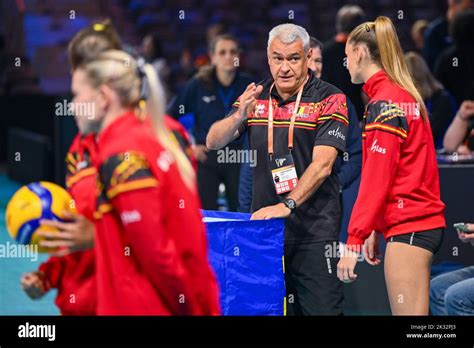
x: 377, y: 148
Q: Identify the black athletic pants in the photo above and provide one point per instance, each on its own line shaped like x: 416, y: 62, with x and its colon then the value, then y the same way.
x: 312, y: 286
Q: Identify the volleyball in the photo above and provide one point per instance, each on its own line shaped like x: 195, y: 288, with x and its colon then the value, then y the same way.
x: 31, y: 204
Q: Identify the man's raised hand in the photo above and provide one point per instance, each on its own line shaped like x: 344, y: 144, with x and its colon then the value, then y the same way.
x: 248, y: 100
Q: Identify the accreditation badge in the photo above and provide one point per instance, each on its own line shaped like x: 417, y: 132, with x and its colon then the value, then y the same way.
x: 284, y: 174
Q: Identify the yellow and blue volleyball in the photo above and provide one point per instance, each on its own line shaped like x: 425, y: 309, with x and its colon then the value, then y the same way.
x: 33, y: 203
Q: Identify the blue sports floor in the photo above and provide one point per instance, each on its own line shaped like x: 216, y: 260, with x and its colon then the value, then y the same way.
x: 13, y: 301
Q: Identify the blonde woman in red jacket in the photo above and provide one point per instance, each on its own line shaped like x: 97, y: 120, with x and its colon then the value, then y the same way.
x: 399, y: 195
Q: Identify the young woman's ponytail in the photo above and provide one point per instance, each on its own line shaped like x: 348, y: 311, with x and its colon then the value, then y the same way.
x: 385, y: 49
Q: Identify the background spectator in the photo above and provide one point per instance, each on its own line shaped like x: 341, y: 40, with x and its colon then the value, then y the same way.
x: 458, y: 134
x: 452, y: 293
x: 209, y: 97
x: 455, y: 67
x: 316, y: 60
x: 440, y: 104
x: 417, y: 33
x: 437, y: 36
x: 153, y: 54
x: 348, y: 17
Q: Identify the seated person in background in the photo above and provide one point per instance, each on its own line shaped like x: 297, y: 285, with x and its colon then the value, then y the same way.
x: 452, y: 293
x: 439, y: 102
x: 459, y: 136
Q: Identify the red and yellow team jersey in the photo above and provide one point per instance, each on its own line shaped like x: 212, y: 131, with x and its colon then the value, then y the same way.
x: 151, y: 248
x: 74, y: 275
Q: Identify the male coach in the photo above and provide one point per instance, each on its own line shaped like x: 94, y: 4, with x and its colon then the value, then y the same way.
x: 297, y: 124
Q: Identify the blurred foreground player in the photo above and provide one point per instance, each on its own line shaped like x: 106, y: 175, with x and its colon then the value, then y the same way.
x: 72, y: 270
x: 151, y: 251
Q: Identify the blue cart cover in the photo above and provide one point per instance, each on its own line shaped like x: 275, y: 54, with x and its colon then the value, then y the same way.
x: 247, y: 257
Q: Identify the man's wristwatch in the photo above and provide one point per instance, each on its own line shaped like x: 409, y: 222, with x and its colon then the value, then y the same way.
x: 290, y: 204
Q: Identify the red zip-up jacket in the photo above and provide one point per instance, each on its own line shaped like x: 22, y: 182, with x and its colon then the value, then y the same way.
x: 73, y: 275
x: 399, y: 191
x: 151, y: 248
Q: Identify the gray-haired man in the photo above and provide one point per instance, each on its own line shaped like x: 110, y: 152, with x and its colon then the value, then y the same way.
x: 298, y: 124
